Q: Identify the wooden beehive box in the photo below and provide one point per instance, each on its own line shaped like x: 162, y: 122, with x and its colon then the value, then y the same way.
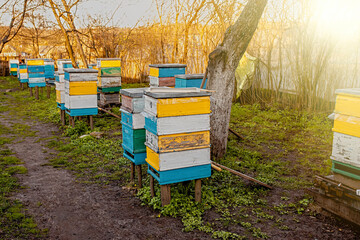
x: 177, y: 127
x: 49, y: 67
x: 81, y: 92
x: 162, y: 75
x: 109, y: 74
x: 23, y: 74
x: 36, y: 72
x: 133, y: 122
x: 189, y: 80
x: 346, y: 142
x: 13, y: 66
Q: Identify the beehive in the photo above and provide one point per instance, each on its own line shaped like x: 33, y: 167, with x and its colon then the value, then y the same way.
x: 22, y: 73
x: 189, y: 80
x: 92, y: 66
x: 346, y: 142
x: 109, y: 74
x: 49, y: 69
x: 60, y: 81
x: 80, y: 92
x: 13, y: 66
x: 133, y: 122
x: 36, y: 72
x: 177, y: 127
x: 162, y: 75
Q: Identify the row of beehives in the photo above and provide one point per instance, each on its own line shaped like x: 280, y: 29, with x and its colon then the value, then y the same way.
x: 346, y: 143
x: 169, y: 131
x: 33, y: 71
x: 77, y: 88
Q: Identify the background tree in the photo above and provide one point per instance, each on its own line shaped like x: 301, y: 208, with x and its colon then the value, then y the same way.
x: 16, y: 9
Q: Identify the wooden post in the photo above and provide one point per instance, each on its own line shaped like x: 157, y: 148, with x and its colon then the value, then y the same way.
x: 36, y: 92
x: 138, y: 169
x: 31, y: 92
x: 198, y: 190
x: 165, y: 194
x: 42, y: 90
x: 73, y: 121
x: 91, y: 122
x: 132, y: 171
x: 62, y: 114
x: 22, y: 86
x: 152, y: 190
x: 48, y: 90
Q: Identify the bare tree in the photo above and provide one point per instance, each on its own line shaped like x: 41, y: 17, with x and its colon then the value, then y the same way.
x: 221, y: 71
x: 17, y: 11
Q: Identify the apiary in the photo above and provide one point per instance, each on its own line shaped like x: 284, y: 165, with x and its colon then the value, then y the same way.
x: 162, y: 75
x: 22, y: 73
x: 36, y: 72
x: 346, y: 142
x: 13, y: 66
x: 177, y: 135
x: 133, y: 122
x: 80, y: 92
x: 189, y: 80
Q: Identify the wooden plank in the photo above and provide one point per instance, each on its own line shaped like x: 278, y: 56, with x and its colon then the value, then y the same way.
x: 81, y: 88
x: 175, y: 125
x: 346, y: 149
x: 109, y: 72
x: 107, y: 82
x: 176, y: 160
x: 180, y: 175
x: 241, y: 175
x: 349, y: 125
x: 336, y: 207
x: 91, y: 119
x: 35, y: 62
x: 177, y: 106
x: 154, y: 72
x: 103, y: 63
x: 80, y: 101
x: 132, y: 171
x: 178, y: 142
x: 165, y: 194
x: 348, y: 104
x: 198, y: 190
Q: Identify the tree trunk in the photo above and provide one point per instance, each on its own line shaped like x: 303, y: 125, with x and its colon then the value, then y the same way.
x: 221, y: 72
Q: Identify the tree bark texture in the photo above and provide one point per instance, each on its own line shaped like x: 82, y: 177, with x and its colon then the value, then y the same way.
x: 221, y: 72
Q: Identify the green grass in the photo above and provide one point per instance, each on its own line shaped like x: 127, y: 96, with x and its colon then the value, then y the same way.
x: 282, y: 147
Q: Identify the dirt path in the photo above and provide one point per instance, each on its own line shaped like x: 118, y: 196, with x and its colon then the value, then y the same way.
x: 70, y: 210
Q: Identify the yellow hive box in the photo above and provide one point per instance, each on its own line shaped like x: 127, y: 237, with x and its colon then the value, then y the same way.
x: 178, y: 142
x: 347, y: 125
x: 35, y: 62
x: 58, y: 96
x: 152, y: 158
x: 23, y: 70
x: 154, y: 72
x: 348, y: 102
x: 109, y: 63
x: 13, y: 69
x: 170, y: 107
x: 83, y: 88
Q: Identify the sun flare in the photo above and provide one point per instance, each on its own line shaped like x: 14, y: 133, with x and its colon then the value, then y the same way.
x: 340, y: 18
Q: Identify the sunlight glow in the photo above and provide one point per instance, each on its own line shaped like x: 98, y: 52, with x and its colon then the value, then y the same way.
x: 338, y: 18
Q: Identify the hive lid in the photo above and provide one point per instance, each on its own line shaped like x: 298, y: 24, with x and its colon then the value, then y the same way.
x: 190, y: 76
x: 168, y: 65
x: 77, y: 70
x: 352, y: 91
x: 106, y: 59
x: 176, y: 92
x: 133, y: 92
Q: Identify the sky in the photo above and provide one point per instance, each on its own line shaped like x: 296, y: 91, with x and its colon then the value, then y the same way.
x: 126, y: 12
